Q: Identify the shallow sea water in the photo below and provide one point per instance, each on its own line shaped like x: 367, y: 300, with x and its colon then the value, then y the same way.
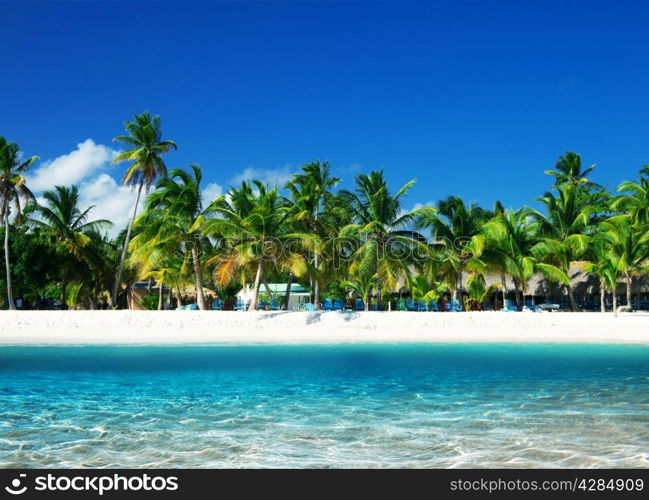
x: 449, y: 405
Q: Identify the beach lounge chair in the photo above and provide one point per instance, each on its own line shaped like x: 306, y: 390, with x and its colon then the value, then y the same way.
x: 262, y: 305
x: 510, y: 306
x: 217, y: 305
x: 359, y: 305
x: 410, y: 305
x: 274, y: 305
x: 401, y: 305
x: 327, y: 304
x: 309, y: 307
x: 432, y: 306
x: 530, y: 306
x: 338, y: 305
x: 240, y: 305
x: 454, y: 306
x: 421, y: 306
x: 191, y: 307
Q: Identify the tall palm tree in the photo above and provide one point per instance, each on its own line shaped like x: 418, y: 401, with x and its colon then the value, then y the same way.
x: 146, y: 149
x: 12, y: 189
x: 387, y: 244
x: 71, y: 231
x: 563, y: 230
x: 569, y: 170
x: 455, y: 228
x: 253, y: 223
x: 310, y: 191
x: 172, y: 219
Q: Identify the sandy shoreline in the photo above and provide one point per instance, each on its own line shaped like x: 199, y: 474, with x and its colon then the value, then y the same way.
x: 175, y: 327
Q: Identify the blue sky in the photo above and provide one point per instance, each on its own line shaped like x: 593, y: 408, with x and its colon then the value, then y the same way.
x: 471, y: 98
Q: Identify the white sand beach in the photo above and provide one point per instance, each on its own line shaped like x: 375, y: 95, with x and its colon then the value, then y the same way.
x: 175, y: 327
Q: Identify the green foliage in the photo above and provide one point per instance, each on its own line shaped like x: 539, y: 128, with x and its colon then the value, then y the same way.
x: 150, y: 301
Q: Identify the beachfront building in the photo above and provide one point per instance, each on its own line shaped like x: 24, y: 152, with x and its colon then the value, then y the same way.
x: 299, y: 294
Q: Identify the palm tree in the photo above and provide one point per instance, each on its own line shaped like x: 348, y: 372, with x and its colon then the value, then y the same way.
x: 387, y: 245
x: 310, y: 191
x: 12, y: 189
x: 605, y: 264
x: 362, y: 285
x: 562, y: 231
x: 569, y: 171
x: 510, y: 239
x: 636, y: 200
x: 630, y: 244
x: 253, y: 223
x: 456, y: 230
x: 71, y: 231
x: 145, y: 153
x: 172, y: 219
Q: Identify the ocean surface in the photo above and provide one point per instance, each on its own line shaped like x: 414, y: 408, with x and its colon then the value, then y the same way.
x: 450, y: 405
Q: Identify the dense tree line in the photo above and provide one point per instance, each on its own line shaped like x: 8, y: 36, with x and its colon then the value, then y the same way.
x: 360, y: 241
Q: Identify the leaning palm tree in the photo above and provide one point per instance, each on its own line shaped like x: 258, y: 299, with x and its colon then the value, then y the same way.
x: 387, y: 244
x: 172, y: 220
x: 71, y: 231
x: 12, y: 189
x: 145, y: 153
x: 310, y: 191
x: 253, y: 224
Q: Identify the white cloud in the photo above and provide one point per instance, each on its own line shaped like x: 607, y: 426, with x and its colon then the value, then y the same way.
x: 111, y: 201
x: 272, y: 176
x: 211, y: 192
x: 71, y: 168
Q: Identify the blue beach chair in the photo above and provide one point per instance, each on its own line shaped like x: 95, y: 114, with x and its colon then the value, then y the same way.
x: 262, y: 305
x: 309, y: 307
x: 217, y: 305
x: 359, y: 305
x: 327, y: 305
x: 274, y: 305
x: 432, y: 306
x: 338, y: 305
x: 410, y: 305
x: 421, y: 306
x: 454, y: 306
x: 510, y: 306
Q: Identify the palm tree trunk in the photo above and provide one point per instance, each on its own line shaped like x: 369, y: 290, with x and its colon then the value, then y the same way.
x: 160, y: 294
x: 179, y: 299
x: 602, y: 296
x: 287, y: 295
x: 118, y: 275
x: 503, y: 278
x: 64, y: 290
x: 571, y: 298
x: 517, y: 294
x: 615, y: 300
x: 255, y: 290
x: 10, y: 300
x: 200, y: 297
x: 629, y: 285
x: 316, y: 285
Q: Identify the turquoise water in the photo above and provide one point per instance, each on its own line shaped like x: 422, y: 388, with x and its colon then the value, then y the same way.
x: 325, y: 406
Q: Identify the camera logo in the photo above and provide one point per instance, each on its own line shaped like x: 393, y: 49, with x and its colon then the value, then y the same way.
x: 15, y: 488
